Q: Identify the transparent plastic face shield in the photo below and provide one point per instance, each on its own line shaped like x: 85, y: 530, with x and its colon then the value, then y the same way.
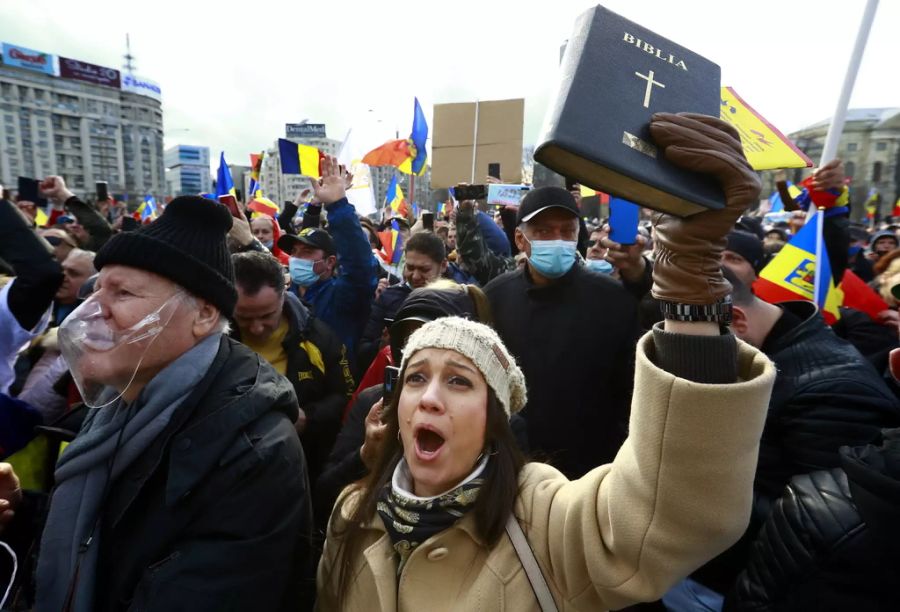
x: 99, y: 356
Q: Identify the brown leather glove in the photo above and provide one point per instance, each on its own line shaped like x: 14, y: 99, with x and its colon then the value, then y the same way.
x: 686, y: 268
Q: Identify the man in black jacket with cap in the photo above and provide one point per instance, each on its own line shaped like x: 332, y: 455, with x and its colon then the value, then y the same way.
x: 573, y: 332
x: 186, y: 487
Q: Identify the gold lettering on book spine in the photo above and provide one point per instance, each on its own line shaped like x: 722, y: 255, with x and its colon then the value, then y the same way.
x: 642, y: 146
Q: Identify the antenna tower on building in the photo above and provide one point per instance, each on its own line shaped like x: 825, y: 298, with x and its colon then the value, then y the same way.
x: 129, y: 58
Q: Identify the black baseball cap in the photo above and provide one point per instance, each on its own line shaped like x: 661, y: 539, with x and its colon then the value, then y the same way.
x: 312, y: 236
x: 538, y: 200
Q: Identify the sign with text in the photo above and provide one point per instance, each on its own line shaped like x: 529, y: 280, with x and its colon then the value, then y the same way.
x: 141, y: 86
x: 89, y: 73
x: 506, y: 195
x: 304, y: 130
x: 23, y: 57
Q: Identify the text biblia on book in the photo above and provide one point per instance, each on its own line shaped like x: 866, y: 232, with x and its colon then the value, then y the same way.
x: 614, y: 75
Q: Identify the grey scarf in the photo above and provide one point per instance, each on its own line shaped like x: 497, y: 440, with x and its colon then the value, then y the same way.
x: 110, y: 440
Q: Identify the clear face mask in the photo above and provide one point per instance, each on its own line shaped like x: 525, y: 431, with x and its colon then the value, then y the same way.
x: 87, y: 343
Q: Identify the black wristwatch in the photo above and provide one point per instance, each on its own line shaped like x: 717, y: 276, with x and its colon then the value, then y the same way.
x: 717, y: 312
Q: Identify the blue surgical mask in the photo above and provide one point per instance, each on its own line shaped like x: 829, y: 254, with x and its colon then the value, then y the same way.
x: 552, y: 258
x: 302, y: 271
x: 599, y: 265
x: 268, y: 244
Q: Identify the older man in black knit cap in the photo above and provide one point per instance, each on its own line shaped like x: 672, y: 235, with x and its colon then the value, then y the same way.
x: 186, y: 487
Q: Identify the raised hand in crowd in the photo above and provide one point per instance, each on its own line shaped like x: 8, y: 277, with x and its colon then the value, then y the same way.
x: 333, y: 184
x: 829, y: 176
x: 54, y: 188
x: 240, y: 231
x: 383, y: 284
x: 627, y: 258
x: 687, y: 266
x: 375, y: 428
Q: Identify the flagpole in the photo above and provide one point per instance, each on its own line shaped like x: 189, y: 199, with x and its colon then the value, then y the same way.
x: 829, y: 151
x: 820, y: 248
x: 475, y: 143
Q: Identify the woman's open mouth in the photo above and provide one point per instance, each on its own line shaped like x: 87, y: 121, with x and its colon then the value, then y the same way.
x: 429, y: 443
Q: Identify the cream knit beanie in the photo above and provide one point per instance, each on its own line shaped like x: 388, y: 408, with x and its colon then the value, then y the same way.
x: 483, y: 347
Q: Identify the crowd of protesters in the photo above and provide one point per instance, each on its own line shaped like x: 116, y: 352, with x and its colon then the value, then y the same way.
x: 218, y: 411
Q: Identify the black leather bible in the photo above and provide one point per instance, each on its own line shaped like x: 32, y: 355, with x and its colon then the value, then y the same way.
x: 614, y: 76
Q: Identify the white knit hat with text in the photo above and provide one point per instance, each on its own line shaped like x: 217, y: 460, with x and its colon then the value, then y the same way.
x: 483, y: 347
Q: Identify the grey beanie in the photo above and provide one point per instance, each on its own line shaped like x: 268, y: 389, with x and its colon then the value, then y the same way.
x: 483, y: 347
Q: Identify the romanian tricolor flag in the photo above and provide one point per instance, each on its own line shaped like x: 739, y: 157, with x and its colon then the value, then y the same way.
x: 794, y: 274
x: 255, y: 171
x: 147, y: 209
x: 407, y: 155
x: 263, y: 206
x: 394, y: 198
x: 224, y: 183
x: 392, y: 243
x: 300, y: 159
x: 896, y: 211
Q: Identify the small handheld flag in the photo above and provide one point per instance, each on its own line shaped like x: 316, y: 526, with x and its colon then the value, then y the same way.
x: 802, y: 271
x: 224, y: 183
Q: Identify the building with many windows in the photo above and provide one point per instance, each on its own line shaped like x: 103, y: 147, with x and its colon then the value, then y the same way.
x: 84, y: 122
x: 870, y: 149
x: 187, y: 170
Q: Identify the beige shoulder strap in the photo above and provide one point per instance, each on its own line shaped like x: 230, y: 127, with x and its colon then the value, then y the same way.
x: 530, y: 564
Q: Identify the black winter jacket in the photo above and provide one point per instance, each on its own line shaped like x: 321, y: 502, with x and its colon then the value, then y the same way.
x: 574, y: 340
x: 831, y: 541
x: 826, y: 395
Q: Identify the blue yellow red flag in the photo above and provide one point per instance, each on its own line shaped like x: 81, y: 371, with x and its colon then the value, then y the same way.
x: 765, y: 147
x: 791, y: 275
x: 396, y: 242
x: 300, y: 158
x: 263, y: 206
x: 224, y: 183
x: 394, y: 197
x: 255, y: 171
x: 148, y: 208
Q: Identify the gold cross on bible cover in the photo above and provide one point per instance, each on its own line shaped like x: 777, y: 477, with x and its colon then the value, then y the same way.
x: 650, y: 83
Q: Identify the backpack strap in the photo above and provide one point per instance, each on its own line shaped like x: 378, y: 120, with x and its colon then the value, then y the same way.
x: 530, y: 565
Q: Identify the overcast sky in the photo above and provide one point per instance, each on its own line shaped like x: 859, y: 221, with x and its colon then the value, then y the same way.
x: 233, y: 73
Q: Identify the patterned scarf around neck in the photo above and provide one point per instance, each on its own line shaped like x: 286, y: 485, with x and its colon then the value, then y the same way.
x: 411, y: 520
